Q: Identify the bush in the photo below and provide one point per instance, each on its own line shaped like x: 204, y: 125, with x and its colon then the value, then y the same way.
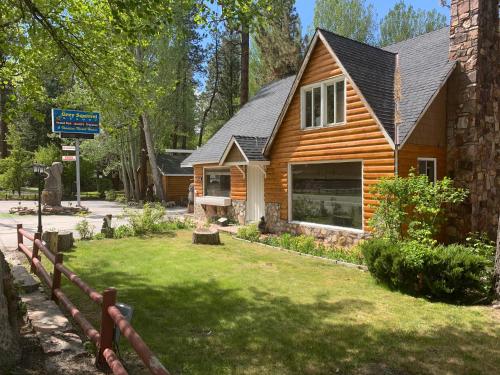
x: 149, y: 220
x: 85, y: 229
x: 110, y: 195
x: 99, y: 236
x: 413, y: 208
x: 443, y: 272
x: 123, y: 231
x: 250, y: 233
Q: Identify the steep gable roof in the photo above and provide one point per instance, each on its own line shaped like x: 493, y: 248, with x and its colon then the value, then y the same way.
x: 423, y: 67
x: 372, y: 70
x: 254, y: 119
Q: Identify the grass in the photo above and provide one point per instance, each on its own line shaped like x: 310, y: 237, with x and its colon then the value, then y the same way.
x: 243, y: 308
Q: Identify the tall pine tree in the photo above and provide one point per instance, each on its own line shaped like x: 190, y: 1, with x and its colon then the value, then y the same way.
x: 277, y: 47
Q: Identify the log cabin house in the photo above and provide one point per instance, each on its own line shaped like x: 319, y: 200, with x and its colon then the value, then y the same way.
x: 305, y: 151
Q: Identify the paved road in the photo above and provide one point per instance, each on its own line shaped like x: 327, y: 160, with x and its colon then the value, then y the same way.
x: 98, y: 209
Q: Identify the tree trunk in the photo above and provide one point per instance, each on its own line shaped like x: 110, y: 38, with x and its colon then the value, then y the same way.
x: 133, y: 162
x: 155, y: 172
x: 245, y: 61
x: 143, y: 178
x: 123, y: 175
x: 4, y: 152
x: 496, y: 279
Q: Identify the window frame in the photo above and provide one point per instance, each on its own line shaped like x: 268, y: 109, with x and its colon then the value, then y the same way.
x: 204, y: 179
x: 325, y: 226
x: 323, y: 106
x: 426, y: 159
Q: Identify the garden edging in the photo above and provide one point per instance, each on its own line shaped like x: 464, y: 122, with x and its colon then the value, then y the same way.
x: 335, y: 261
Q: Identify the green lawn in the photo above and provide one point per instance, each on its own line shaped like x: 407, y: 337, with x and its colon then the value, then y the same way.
x: 244, y: 308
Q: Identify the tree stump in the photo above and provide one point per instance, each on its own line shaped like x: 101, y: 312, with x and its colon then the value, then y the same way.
x: 65, y: 241
x: 206, y: 236
x: 52, y: 240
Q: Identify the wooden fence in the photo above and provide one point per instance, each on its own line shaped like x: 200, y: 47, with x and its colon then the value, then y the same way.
x: 110, y: 314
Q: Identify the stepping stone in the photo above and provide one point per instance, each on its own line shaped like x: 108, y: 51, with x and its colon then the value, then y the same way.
x: 58, y: 342
x: 24, y: 279
x: 45, y: 315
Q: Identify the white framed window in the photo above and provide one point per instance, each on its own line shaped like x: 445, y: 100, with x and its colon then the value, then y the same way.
x: 326, y: 194
x: 217, y: 182
x: 428, y: 167
x: 323, y: 103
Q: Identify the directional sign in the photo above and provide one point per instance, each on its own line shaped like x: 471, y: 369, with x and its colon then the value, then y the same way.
x: 71, y: 121
x: 69, y: 158
x: 68, y: 148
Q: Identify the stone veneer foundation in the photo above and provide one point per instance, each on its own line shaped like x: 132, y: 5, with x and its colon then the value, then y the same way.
x: 236, y: 212
x: 338, y: 237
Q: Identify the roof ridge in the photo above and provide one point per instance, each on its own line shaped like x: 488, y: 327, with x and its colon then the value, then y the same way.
x: 356, y: 41
x: 414, y: 37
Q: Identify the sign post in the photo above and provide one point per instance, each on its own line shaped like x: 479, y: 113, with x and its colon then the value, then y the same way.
x: 75, y: 124
x: 77, y: 149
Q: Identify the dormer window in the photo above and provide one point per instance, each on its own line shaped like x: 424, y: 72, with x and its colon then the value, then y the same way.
x: 323, y: 103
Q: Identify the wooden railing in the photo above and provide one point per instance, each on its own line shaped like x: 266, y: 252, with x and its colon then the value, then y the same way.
x: 110, y: 314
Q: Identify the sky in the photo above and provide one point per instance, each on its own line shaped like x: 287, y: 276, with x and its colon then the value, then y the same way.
x: 305, y: 8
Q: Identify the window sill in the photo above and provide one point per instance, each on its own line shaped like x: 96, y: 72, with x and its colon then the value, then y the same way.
x: 214, y: 201
x: 325, y: 226
x: 323, y: 127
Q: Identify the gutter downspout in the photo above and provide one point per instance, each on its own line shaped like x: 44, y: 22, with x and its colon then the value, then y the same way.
x: 397, y: 119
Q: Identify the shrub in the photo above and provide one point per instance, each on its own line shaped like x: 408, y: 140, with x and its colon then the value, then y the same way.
x: 250, y: 233
x: 85, y: 229
x: 149, y: 220
x: 99, y: 236
x: 413, y: 208
x: 303, y: 244
x: 123, y: 231
x: 480, y: 244
x: 443, y: 272
x: 110, y: 195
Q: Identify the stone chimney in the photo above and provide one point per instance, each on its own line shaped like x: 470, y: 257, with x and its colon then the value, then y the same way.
x: 473, y: 128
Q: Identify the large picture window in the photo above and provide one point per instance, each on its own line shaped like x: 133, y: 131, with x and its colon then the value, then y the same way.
x: 323, y: 104
x: 327, y: 193
x: 217, y: 182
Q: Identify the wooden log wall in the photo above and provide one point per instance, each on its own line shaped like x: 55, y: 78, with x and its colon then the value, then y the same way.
x: 360, y: 138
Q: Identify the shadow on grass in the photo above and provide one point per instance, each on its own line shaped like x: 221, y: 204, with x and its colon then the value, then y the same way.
x: 205, y: 328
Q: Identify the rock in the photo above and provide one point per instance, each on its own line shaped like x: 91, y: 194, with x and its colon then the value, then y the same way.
x: 206, y: 236
x: 9, y: 329
x: 45, y: 315
x: 24, y: 279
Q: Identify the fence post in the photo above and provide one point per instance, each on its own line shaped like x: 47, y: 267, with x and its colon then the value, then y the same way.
x: 19, y: 236
x: 34, y: 254
x: 56, y: 276
x: 107, y: 326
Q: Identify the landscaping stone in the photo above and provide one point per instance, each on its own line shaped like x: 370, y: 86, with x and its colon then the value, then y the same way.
x: 24, y: 279
x: 45, y: 315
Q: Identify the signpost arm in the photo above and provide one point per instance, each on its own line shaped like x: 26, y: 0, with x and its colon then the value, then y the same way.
x: 77, y: 172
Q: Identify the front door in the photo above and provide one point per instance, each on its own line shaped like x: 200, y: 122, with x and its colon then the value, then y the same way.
x: 255, y: 193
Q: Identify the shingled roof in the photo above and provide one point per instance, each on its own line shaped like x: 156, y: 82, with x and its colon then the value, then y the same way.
x: 255, y: 119
x: 424, y: 67
x: 252, y: 146
x: 372, y: 69
x: 170, y: 164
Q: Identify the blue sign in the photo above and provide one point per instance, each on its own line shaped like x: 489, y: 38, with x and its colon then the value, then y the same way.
x: 71, y: 121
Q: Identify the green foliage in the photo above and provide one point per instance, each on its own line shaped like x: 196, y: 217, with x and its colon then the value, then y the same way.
x: 149, y: 220
x: 480, y: 244
x: 413, y: 207
x: 15, y: 170
x: 403, y: 22
x: 123, y: 231
x: 110, y: 195
x: 46, y: 155
x: 443, y: 272
x: 99, y: 236
x: 353, y: 19
x: 85, y: 229
x: 250, y: 233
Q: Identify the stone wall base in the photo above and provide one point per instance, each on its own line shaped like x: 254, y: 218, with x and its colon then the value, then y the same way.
x: 332, y: 237
x: 236, y: 212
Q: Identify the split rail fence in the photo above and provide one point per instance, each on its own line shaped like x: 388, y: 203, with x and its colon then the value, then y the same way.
x: 110, y: 314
